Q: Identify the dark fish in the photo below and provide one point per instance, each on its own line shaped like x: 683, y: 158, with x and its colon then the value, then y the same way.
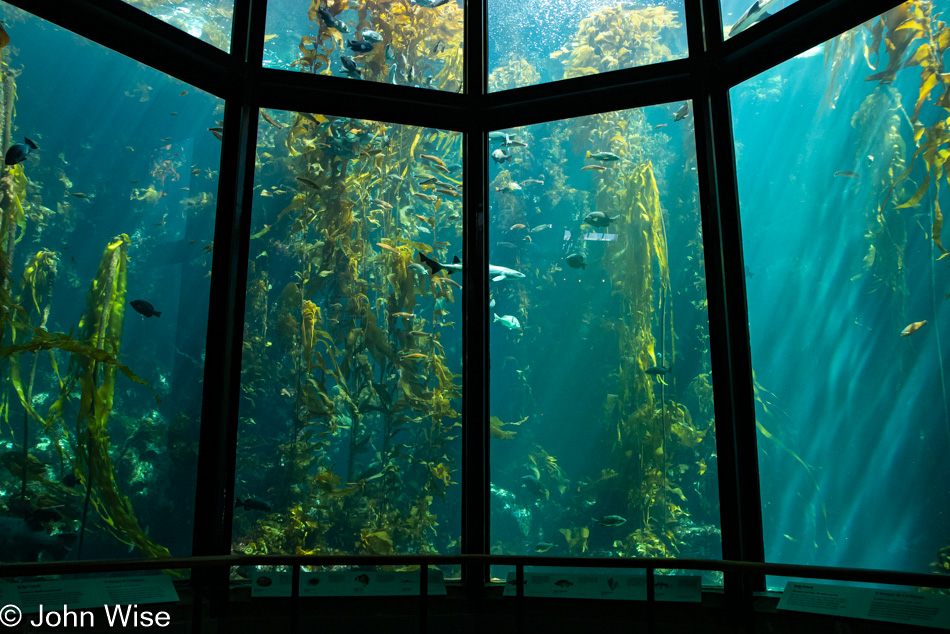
x: 349, y: 64
x: 251, y: 504
x: 848, y: 174
x: 499, y: 156
x: 364, y: 579
x: 532, y: 484
x: 360, y: 46
x: 18, y: 151
x: 70, y: 480
x: 610, y: 520
x: 330, y: 21
x: 543, y: 547
x: 659, y: 370
x: 576, y: 261
x: 599, y: 219
x: 612, y: 584
x: 756, y: 13
x: 563, y: 583
x: 25, y: 540
x: 144, y: 308
x: 682, y: 112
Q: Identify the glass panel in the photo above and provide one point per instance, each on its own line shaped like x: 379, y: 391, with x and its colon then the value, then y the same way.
x: 107, y: 264
x: 601, y: 394
x: 739, y: 15
x: 540, y: 41
x: 208, y: 20
x: 841, y: 235
x: 350, y: 432
x: 417, y: 44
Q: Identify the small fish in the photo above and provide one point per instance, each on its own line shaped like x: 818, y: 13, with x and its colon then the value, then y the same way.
x: 425, y: 197
x: 516, y: 227
x: 613, y: 584
x: 659, y: 370
x: 543, y: 547
x: 431, y: 4
x: 371, y: 36
x: 360, y: 46
x: 81, y: 195
x: 448, y: 192
x: 499, y: 156
x: 682, y: 113
x: 848, y: 174
x: 532, y: 181
x: 271, y: 121
x: 599, y: 219
x: 508, y: 321
x: 349, y: 64
x: 419, y: 333
x: 285, y: 392
x: 576, y: 261
x: 364, y: 579
x: 869, y: 160
x: 251, y: 504
x: 183, y: 93
x: 504, y: 137
x: 144, y: 308
x: 610, y: 520
x: 19, y: 151
x: 912, y: 328
x: 590, y: 168
x: 307, y: 181
x: 563, y: 583
x: 415, y: 267
x: 406, y: 315
x: 415, y: 355
x: 602, y: 156
x: 390, y: 55
x: 659, y: 125
x: 433, y: 159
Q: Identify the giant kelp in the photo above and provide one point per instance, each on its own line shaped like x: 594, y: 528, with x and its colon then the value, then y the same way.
x: 360, y: 357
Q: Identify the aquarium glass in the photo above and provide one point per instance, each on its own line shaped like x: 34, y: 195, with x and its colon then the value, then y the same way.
x: 540, y: 41
x: 841, y: 182
x: 350, y: 425
x: 602, y: 424
x: 739, y: 15
x: 107, y: 230
x: 417, y: 43
x: 208, y: 20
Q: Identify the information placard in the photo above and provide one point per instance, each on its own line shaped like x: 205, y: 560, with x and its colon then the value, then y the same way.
x: 893, y: 606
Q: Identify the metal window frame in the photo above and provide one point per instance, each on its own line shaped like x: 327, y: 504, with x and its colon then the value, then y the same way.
x: 706, y: 76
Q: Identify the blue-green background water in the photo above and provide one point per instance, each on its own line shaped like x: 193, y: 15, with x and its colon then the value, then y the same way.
x: 854, y: 471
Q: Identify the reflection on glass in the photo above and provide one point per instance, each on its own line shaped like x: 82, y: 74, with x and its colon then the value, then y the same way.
x: 842, y: 239
x: 601, y: 394
x: 541, y: 41
x: 350, y: 424
x: 208, y: 20
x: 108, y: 198
x: 409, y: 44
x: 739, y: 15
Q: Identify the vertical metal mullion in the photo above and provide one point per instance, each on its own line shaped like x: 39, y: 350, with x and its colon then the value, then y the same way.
x: 475, y: 472
x: 740, y: 501
x: 214, y: 492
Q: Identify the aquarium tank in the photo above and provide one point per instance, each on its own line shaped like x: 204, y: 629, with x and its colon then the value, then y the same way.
x: 263, y: 278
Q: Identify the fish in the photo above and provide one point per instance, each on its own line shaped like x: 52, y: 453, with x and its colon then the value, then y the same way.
x: 419, y: 333
x: 81, y: 195
x: 576, y: 261
x: 543, y: 547
x: 70, y: 480
x: 532, y: 181
x: 659, y: 370
x: 517, y: 227
x: 430, y: 4
x: 250, y: 504
x: 499, y: 156
x: 599, y: 219
x: 532, y: 484
x: 418, y: 268
x: 610, y: 520
x: 848, y: 174
x: 588, y: 168
x: 18, y: 152
x: 433, y: 159
x: 307, y: 181
x: 330, y: 21
x: 415, y: 355
x: 360, y: 46
x: 371, y: 36
x: 364, y: 579
x: 26, y: 540
x: 509, y: 321
x: 497, y: 273
x: 756, y: 13
x: 682, y: 113
x: 406, y: 315
x: 448, y: 192
x: 541, y: 228
x: 563, y: 583
x: 912, y: 328
x: 271, y: 121
x: 602, y: 156
x: 613, y: 584
x: 504, y: 137
x: 869, y: 159
x: 349, y: 64
x: 144, y: 308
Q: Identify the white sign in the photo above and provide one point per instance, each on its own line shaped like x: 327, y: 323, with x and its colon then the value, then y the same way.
x: 909, y: 608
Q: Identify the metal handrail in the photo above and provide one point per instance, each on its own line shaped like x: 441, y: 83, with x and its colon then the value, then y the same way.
x: 891, y: 577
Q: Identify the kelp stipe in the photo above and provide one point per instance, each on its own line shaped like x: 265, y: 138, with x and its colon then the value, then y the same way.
x: 101, y: 328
